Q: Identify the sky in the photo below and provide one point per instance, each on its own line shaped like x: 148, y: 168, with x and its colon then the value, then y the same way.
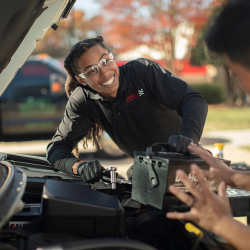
x: 90, y: 7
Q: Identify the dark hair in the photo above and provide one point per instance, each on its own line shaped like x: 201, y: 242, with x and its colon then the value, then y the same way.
x: 70, y: 62
x: 71, y: 66
x: 230, y: 32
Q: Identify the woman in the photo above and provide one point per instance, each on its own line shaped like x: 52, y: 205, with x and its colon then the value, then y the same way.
x: 137, y: 104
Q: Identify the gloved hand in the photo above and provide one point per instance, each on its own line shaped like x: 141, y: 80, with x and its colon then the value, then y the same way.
x: 90, y: 171
x: 178, y: 144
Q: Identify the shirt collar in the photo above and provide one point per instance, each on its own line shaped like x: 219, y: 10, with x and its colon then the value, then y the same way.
x: 92, y: 94
x: 124, y: 78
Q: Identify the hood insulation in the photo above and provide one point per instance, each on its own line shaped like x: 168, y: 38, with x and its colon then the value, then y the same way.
x: 16, y: 18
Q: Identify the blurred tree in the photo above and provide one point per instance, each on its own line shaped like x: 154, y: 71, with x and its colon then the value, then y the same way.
x: 155, y: 23
x: 76, y: 27
x: 201, y: 56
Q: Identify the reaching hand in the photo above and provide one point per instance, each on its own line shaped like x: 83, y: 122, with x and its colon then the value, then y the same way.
x: 178, y: 143
x: 218, y: 171
x: 207, y: 208
x: 90, y: 171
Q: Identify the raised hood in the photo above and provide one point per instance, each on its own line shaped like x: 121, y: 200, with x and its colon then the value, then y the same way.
x: 23, y: 23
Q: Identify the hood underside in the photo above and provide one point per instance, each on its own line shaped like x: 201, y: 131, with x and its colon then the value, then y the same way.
x: 17, y: 17
x: 23, y: 23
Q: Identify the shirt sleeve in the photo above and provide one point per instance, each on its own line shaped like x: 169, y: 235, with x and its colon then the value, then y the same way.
x: 176, y: 94
x: 74, y: 126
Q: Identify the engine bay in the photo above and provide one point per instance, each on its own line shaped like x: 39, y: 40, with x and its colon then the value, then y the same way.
x: 59, y: 210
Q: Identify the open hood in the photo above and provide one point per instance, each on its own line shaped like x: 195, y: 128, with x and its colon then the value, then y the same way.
x: 23, y: 23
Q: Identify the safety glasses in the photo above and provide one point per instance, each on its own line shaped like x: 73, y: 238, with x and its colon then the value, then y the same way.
x: 105, y: 62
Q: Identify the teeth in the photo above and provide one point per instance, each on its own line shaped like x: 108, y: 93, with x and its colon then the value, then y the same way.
x: 108, y: 82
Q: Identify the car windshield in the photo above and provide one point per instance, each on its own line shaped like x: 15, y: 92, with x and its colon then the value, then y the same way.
x: 56, y: 64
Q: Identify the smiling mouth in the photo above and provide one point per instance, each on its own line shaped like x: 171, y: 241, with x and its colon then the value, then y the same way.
x: 109, y: 82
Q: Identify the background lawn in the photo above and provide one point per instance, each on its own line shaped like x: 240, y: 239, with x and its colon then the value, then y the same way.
x: 225, y: 118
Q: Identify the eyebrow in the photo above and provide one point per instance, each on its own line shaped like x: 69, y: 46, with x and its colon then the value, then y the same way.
x: 93, y: 64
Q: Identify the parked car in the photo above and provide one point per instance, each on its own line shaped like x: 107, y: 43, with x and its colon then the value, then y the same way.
x: 33, y: 104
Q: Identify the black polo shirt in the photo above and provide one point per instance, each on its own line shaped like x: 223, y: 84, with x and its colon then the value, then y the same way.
x: 151, y: 105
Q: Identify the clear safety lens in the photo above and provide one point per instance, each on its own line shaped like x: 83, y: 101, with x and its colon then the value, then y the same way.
x: 105, y: 62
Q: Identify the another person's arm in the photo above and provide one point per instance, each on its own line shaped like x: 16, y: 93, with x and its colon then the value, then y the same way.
x: 210, y: 211
x: 219, y: 171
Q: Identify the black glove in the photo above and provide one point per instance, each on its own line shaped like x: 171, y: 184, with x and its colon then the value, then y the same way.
x: 90, y: 171
x: 178, y: 144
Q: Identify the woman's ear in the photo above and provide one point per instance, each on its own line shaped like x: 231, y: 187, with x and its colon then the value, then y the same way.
x: 81, y: 80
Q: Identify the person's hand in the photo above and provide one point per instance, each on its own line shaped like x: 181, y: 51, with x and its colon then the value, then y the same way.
x: 218, y: 171
x: 207, y: 208
x: 90, y: 171
x: 178, y: 144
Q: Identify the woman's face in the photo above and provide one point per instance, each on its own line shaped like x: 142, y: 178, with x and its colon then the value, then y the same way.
x: 106, y: 81
x: 241, y: 71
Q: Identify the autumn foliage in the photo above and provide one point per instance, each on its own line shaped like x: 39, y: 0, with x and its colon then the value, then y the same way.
x: 71, y: 30
x: 127, y: 24
x: 154, y: 23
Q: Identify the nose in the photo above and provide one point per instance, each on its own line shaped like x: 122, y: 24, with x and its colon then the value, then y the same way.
x: 102, y: 71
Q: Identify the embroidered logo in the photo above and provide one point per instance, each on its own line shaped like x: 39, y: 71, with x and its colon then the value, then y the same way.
x: 130, y: 98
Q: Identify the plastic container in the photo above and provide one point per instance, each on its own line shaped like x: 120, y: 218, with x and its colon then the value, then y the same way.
x: 218, y: 150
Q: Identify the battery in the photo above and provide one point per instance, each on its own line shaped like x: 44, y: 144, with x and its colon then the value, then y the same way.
x: 154, y: 172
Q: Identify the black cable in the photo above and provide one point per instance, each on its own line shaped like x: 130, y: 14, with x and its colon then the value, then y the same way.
x: 197, y: 242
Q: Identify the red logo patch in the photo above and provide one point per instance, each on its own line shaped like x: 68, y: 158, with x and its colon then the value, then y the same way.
x: 132, y: 97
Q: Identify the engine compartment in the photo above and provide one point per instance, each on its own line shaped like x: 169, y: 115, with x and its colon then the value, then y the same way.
x: 67, y: 213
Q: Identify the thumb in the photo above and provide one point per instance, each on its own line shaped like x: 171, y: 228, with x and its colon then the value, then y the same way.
x: 222, y: 189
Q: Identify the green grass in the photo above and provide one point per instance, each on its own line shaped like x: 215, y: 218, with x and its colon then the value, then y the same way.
x: 247, y: 148
x: 226, y: 118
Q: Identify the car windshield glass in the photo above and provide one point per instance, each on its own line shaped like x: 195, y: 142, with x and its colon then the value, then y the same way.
x: 56, y: 64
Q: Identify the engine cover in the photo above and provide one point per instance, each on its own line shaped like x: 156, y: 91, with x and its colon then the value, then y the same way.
x: 77, y: 210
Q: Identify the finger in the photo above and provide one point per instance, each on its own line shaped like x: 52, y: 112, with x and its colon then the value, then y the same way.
x: 208, y: 158
x: 201, y: 179
x: 190, y: 185
x: 222, y: 189
x: 207, y: 174
x: 182, y: 196
x: 181, y: 216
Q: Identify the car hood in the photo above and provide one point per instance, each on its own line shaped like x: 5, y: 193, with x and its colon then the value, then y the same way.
x: 23, y: 23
